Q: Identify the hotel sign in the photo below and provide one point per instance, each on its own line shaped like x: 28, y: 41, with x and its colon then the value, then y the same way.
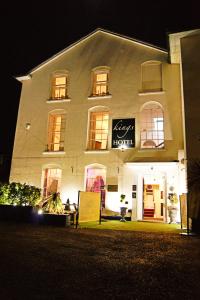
x: 123, y: 133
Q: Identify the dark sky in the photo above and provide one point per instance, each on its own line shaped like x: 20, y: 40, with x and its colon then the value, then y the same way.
x: 33, y: 31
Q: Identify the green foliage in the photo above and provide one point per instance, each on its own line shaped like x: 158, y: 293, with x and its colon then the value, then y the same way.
x: 122, y: 198
x: 3, y: 193
x: 54, y: 204
x: 19, y: 194
x: 173, y: 198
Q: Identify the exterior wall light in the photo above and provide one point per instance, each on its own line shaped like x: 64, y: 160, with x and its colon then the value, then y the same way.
x: 122, y: 148
x: 28, y: 126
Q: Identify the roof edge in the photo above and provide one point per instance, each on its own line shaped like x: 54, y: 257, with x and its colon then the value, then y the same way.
x: 55, y: 56
x: 23, y: 77
x: 134, y: 40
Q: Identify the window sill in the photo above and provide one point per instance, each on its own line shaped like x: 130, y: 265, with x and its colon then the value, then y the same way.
x: 53, y: 152
x: 96, y: 151
x: 151, y: 149
x: 151, y: 93
x: 99, y: 97
x: 58, y: 100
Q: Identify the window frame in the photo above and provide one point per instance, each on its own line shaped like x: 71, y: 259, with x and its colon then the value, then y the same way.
x: 99, y: 171
x: 92, y: 144
x: 53, y: 133
x: 53, y: 86
x: 100, y: 84
x: 152, y: 135
x: 159, y: 87
x: 46, y: 178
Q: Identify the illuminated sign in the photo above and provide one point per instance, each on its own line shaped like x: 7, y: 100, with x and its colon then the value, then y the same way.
x: 123, y: 133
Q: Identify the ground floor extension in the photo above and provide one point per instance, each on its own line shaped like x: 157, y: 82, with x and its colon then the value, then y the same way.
x: 147, y: 186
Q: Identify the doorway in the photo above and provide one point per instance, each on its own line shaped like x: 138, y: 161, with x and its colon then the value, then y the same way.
x: 154, y: 198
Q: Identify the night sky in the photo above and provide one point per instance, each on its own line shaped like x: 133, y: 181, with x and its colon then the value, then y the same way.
x: 32, y: 32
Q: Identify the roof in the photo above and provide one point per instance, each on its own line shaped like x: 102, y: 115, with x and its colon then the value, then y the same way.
x: 98, y: 30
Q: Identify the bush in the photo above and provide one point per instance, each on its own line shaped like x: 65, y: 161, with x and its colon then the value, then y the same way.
x: 19, y: 194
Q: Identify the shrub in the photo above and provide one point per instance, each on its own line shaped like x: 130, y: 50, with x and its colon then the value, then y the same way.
x: 19, y: 194
x: 4, y: 194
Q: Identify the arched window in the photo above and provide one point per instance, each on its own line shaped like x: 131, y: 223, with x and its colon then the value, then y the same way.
x: 96, y: 180
x: 59, y: 86
x: 100, y: 81
x: 151, y: 76
x: 51, y: 181
x: 56, y: 130
x: 98, y: 129
x: 152, y: 126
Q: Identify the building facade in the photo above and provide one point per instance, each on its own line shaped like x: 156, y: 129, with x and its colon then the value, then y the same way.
x: 105, y: 114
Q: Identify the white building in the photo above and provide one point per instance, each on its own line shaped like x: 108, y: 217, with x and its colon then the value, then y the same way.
x: 106, y: 111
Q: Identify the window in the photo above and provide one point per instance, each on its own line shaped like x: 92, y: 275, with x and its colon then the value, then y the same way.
x: 96, y: 180
x: 100, y: 83
x: 56, y: 130
x: 59, y: 87
x: 98, y: 131
x: 152, y: 126
x: 52, y: 181
x: 151, y: 76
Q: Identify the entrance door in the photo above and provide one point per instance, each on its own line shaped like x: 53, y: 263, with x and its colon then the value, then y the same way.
x: 153, y: 202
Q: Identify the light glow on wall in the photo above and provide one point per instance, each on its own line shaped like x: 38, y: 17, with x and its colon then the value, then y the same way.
x: 69, y: 193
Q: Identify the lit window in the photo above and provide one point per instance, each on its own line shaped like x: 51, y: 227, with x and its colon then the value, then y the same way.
x: 95, y: 182
x: 151, y: 77
x: 51, y: 181
x: 98, y: 131
x: 100, y: 83
x: 56, y: 130
x: 59, y: 87
x: 152, y: 127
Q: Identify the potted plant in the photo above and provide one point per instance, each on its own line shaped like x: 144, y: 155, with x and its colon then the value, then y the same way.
x: 67, y: 206
x: 53, y: 209
x: 123, y: 207
x: 172, y: 208
x: 54, y: 204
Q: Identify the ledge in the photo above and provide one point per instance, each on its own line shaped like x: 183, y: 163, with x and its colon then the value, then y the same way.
x: 58, y: 101
x: 53, y: 152
x: 152, y: 149
x: 151, y: 93
x: 96, y: 151
x: 99, y: 97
